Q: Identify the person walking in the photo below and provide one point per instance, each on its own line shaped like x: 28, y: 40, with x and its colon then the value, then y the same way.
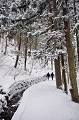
x: 52, y: 75
x: 48, y: 75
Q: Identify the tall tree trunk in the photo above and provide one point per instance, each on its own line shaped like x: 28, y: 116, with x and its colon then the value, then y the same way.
x: 5, y: 46
x: 0, y: 37
x: 25, y: 57
x: 53, y: 9
x: 36, y: 44
x: 74, y: 91
x: 56, y: 61
x: 58, y: 72
x: 63, y: 74
x: 19, y: 46
x: 2, y: 42
x: 30, y: 46
x: 51, y: 63
x: 25, y: 53
x: 77, y: 38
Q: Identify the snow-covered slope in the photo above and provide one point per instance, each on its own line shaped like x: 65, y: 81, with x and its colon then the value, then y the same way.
x: 44, y: 102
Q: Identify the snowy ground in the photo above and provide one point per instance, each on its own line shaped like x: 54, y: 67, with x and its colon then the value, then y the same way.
x: 43, y: 101
x: 9, y: 74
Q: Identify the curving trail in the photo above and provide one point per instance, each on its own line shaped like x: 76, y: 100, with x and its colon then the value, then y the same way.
x: 43, y: 101
x: 15, y: 93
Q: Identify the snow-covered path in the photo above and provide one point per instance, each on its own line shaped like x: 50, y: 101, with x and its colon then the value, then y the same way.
x: 43, y: 101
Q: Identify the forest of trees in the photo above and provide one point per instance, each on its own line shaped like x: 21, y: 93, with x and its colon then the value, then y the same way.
x: 47, y: 30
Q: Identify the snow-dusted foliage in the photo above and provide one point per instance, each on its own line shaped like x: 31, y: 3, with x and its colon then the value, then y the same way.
x: 33, y: 29
x: 35, y: 20
x: 31, y: 16
x: 3, y: 103
x: 11, y: 98
x: 17, y: 87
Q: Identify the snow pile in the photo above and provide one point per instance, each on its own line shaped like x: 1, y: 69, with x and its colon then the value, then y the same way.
x: 44, y: 102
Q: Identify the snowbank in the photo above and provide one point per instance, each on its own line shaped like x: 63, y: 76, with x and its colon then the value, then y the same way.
x: 44, y: 102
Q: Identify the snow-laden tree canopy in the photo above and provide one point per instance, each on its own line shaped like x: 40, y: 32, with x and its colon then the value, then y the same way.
x: 35, y: 19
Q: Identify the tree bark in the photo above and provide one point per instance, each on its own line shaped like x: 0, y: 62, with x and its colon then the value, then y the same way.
x: 25, y: 53
x: 58, y: 72
x: 5, y: 47
x: 56, y: 61
x: 76, y: 31
x: 51, y: 63
x: 36, y: 44
x: 70, y: 52
x: 19, y: 46
x: 63, y: 74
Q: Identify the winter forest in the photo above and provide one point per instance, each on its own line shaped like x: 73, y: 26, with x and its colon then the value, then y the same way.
x: 37, y: 37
